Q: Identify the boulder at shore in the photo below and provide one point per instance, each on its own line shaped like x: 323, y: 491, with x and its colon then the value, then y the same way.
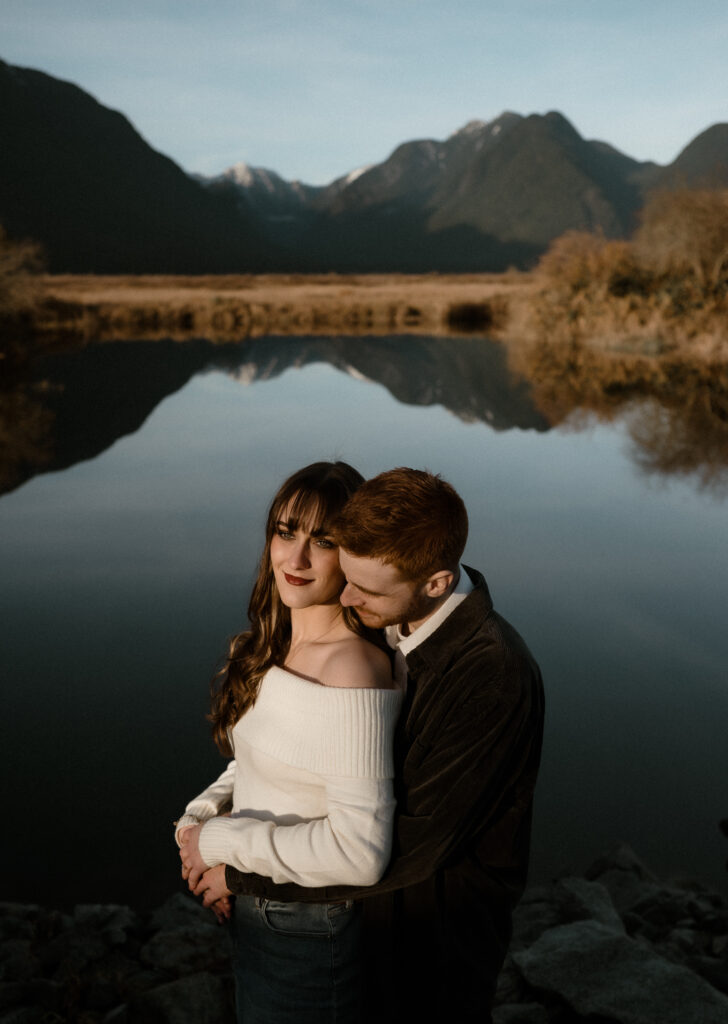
x: 617, y: 946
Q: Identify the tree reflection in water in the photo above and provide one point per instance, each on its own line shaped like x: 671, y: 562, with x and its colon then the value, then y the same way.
x: 690, y: 439
x: 26, y: 432
x: 676, y: 411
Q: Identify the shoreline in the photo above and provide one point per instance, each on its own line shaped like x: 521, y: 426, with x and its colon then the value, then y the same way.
x: 518, y: 308
x: 223, y: 308
x: 614, y: 943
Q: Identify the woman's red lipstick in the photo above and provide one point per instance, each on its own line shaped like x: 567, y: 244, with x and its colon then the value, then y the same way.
x: 296, y: 581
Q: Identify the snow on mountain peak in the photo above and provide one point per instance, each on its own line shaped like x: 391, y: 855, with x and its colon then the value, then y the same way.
x: 247, y: 176
x: 353, y: 175
x: 241, y: 174
x: 471, y: 128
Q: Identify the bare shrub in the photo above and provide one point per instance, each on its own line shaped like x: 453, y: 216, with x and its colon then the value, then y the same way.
x: 580, y: 261
x: 685, y: 233
x: 20, y: 263
x: 666, y: 289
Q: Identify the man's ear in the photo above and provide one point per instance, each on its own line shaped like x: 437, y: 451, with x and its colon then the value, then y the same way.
x: 439, y: 583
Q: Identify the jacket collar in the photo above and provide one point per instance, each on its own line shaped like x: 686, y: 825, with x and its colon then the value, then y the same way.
x: 437, y: 650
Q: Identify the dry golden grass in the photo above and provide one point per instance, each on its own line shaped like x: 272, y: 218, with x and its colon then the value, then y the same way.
x: 586, y: 290
x: 239, y: 306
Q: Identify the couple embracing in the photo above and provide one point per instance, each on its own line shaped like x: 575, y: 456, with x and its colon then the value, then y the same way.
x: 384, y: 726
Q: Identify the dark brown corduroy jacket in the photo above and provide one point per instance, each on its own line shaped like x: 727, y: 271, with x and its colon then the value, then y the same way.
x: 467, y: 751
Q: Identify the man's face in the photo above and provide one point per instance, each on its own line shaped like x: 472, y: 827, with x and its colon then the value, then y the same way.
x: 379, y: 595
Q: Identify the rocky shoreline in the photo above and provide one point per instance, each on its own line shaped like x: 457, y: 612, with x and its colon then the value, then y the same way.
x: 616, y: 946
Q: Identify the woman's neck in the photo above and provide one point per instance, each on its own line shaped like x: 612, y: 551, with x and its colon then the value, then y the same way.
x: 319, y: 622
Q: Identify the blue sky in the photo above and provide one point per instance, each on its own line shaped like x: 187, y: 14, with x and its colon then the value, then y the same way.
x: 316, y: 88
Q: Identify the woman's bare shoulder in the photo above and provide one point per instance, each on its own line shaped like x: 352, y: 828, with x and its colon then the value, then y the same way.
x: 357, y: 663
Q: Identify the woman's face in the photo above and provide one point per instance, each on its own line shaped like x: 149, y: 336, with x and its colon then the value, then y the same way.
x: 305, y: 564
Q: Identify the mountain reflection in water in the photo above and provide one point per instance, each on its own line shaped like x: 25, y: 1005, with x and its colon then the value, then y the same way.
x: 66, y: 408
x: 71, y: 407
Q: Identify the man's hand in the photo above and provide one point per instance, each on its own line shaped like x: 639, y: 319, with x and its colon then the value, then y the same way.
x: 214, y: 892
x: 193, y: 866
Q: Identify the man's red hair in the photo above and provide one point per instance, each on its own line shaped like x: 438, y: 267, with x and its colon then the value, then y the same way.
x: 408, y: 518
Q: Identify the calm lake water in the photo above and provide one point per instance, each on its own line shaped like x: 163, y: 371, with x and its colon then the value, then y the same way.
x: 136, y: 489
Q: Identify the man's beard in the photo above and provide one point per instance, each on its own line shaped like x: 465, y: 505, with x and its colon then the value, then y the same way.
x: 418, y: 608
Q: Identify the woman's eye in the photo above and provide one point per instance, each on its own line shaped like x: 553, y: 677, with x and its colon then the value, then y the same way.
x: 285, y: 534
x: 324, y: 543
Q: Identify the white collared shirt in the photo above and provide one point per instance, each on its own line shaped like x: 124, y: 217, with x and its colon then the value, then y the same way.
x: 402, y: 645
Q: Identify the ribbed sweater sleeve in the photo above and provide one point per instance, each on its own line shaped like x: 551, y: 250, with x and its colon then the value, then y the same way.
x: 209, y: 802
x: 350, y: 846
x: 342, y: 735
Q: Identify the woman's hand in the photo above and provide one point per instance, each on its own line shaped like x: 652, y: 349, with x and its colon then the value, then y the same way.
x: 193, y: 866
x: 214, y: 892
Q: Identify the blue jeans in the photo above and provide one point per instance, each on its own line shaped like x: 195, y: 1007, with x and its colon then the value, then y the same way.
x: 297, y: 963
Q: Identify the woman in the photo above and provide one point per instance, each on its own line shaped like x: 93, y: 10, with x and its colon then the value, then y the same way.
x: 306, y: 706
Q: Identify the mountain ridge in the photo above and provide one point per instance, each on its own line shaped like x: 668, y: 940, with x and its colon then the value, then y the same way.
x: 77, y: 177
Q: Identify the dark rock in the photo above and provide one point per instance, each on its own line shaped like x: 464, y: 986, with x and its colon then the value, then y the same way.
x: 142, y: 979
x: 101, y: 995
x: 111, y: 921
x: 535, y: 914
x: 17, y: 921
x: 17, y: 962
x: 119, y: 1015
x: 599, y: 972
x: 31, y: 1015
x: 663, y: 908
x: 71, y: 953
x: 625, y: 888
x: 621, y: 858
x: 40, y: 992
x: 202, y: 998
x: 624, y: 875
x: 180, y: 911
x: 619, y: 947
x: 180, y: 950
x: 521, y: 1013
x: 12, y: 993
x: 714, y: 971
x: 567, y: 900
x: 511, y: 986
x: 581, y: 900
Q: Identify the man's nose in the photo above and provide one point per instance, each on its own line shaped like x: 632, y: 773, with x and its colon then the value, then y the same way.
x: 348, y: 597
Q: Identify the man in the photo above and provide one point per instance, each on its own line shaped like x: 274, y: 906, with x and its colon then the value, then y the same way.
x: 466, y: 755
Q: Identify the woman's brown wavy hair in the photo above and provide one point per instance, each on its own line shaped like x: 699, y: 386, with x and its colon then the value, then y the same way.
x: 313, y: 496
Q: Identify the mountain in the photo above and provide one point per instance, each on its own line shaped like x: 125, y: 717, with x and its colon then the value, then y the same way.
x: 702, y: 164
x: 284, y: 209
x: 493, y: 194
x: 79, y: 178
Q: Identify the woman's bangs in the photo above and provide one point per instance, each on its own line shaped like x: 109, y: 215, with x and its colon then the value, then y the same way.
x: 312, y: 510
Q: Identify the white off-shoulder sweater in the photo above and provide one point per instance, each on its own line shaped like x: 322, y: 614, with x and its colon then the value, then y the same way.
x: 311, y: 785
